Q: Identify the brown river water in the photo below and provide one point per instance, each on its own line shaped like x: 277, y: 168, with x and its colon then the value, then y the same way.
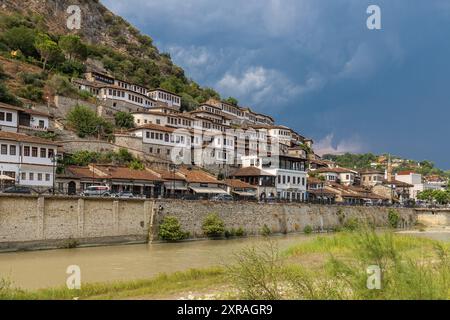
x: 41, y: 269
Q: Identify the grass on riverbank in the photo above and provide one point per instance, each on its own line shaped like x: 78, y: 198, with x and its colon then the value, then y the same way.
x: 162, y: 285
x: 410, y: 268
x: 326, y: 267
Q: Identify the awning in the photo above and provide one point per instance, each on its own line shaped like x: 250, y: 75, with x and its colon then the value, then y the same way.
x: 6, y: 178
x: 206, y: 190
x: 245, y: 194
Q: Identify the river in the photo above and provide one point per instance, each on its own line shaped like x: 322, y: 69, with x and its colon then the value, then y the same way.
x: 41, y: 269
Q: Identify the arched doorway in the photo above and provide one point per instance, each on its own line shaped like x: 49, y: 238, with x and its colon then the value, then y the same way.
x: 72, y: 188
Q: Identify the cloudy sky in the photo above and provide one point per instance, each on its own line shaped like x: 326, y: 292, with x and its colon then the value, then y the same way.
x: 316, y: 67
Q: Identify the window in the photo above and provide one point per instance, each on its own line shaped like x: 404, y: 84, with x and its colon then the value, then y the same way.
x: 41, y: 123
x: 2, y: 116
x: 303, y: 181
x: 43, y: 153
x: 4, y: 149
x: 51, y: 153
x: 31, y: 176
x: 23, y: 176
x: 279, y: 179
x: 150, y: 150
x: 26, y: 151
x: 12, y: 150
x: 47, y: 177
x: 9, y: 117
x: 39, y: 176
x: 34, y: 152
x: 147, y: 134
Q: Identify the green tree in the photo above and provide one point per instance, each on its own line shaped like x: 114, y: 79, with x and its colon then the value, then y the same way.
x: 83, y: 120
x: 47, y: 48
x: 21, y: 38
x: 232, y: 101
x: 87, y: 123
x: 124, y: 120
x: 73, y: 47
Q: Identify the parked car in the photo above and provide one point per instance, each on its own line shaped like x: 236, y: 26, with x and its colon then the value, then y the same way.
x: 18, y: 189
x: 124, y: 195
x: 222, y: 197
x: 96, y: 191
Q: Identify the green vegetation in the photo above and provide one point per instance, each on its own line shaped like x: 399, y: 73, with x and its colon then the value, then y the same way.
x: 64, y: 55
x: 161, y: 284
x: 266, y: 231
x: 213, y: 226
x: 393, y: 218
x: 124, y: 120
x: 86, y: 122
x: 439, y: 196
x: 170, y: 230
x: 308, y: 229
x: 84, y: 158
x: 232, y: 101
x: 353, y: 161
x: 411, y: 268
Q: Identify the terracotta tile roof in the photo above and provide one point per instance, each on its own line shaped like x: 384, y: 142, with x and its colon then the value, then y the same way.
x: 80, y: 173
x: 371, y: 171
x: 335, y: 170
x: 236, y: 183
x: 156, y: 127
x: 251, y: 172
x: 406, y: 173
x: 24, y: 110
x: 312, y: 180
x: 166, y: 91
x: 125, y: 173
x: 195, y: 175
x: 111, y: 172
x: 167, y: 174
x: 398, y: 183
x: 12, y: 136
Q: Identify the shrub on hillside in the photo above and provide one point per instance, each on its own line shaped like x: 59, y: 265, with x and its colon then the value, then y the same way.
x: 213, y: 226
x: 170, y: 230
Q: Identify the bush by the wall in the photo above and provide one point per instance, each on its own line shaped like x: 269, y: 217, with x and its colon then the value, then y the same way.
x: 266, y: 231
x: 308, y: 229
x: 170, y: 230
x: 213, y: 226
x: 393, y: 218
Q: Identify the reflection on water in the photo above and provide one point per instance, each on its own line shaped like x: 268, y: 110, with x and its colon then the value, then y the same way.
x: 40, y: 269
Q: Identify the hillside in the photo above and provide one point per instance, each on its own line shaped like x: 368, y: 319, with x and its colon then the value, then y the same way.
x: 108, y: 43
x: 369, y: 160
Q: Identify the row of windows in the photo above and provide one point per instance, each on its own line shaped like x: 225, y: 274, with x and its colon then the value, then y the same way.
x: 6, y: 116
x: 166, y: 137
x: 32, y: 176
x: 165, y: 96
x: 300, y: 196
x: 179, y: 121
x: 131, y: 97
x: 295, y: 180
x: 27, y: 151
x: 132, y: 87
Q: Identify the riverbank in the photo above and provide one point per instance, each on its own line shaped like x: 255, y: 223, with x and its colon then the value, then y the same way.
x: 310, y: 257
